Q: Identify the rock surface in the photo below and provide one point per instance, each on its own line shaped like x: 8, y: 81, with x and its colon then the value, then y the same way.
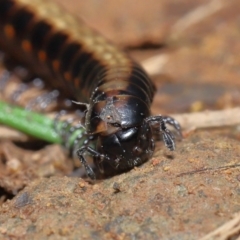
x: 173, y: 196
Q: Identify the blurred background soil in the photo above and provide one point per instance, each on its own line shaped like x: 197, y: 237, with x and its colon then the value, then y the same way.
x: 191, y: 51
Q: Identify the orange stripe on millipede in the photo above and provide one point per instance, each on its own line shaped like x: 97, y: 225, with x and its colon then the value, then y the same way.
x: 9, y: 31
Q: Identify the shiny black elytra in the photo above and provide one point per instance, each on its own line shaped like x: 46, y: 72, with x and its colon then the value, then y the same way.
x: 75, y: 59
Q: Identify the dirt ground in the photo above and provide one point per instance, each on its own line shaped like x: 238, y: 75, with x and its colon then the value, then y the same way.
x: 191, y: 51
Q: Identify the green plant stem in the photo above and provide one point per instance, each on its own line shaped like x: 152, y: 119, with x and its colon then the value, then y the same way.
x: 31, y: 123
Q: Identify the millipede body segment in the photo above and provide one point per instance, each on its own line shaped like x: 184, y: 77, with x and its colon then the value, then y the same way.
x: 69, y: 55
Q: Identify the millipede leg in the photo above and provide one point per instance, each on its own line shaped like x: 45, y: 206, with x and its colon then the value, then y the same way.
x: 168, y: 138
x: 94, y: 153
x: 173, y: 122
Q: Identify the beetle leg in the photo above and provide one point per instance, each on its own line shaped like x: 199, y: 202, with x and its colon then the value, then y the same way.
x: 94, y: 153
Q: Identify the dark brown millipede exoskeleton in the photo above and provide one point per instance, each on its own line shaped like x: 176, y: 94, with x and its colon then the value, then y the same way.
x: 61, y: 49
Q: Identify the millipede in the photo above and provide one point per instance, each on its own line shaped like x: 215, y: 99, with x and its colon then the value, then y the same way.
x: 115, y: 89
